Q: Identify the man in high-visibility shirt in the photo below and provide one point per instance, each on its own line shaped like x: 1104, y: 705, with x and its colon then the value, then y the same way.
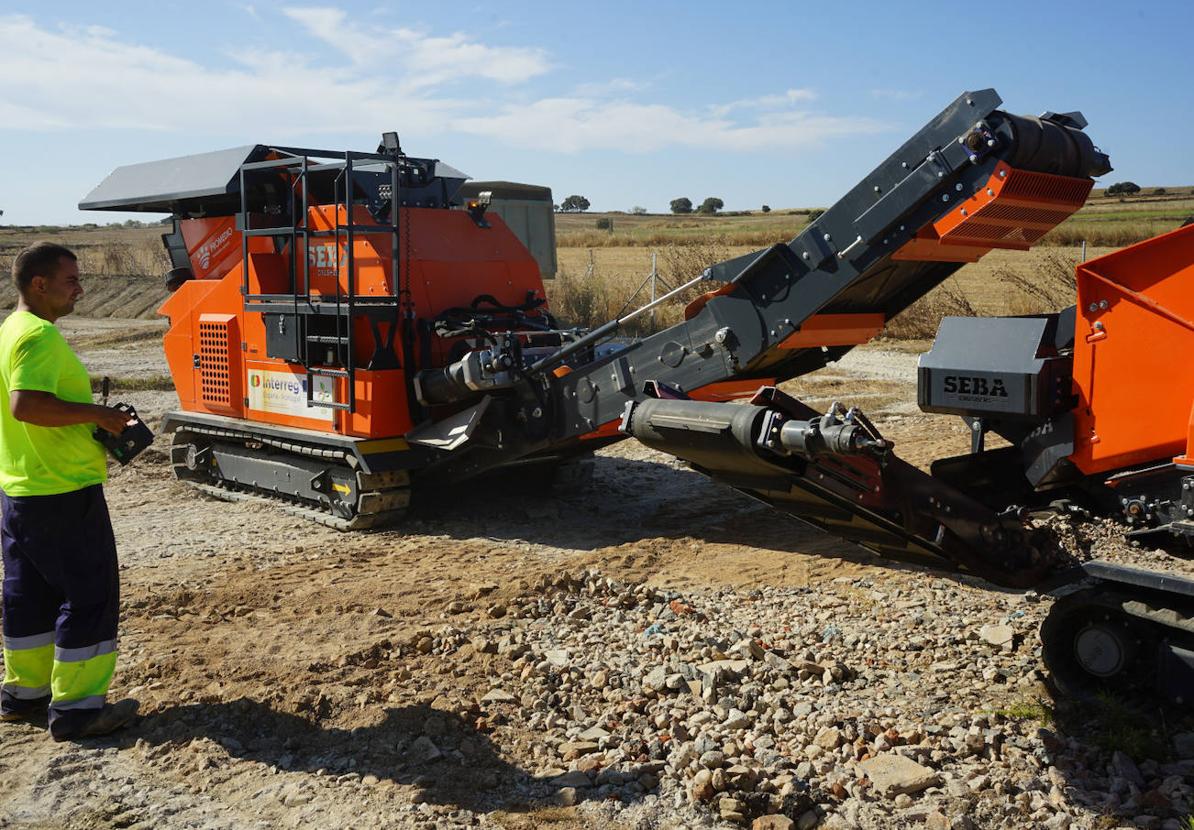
x: 61, y: 584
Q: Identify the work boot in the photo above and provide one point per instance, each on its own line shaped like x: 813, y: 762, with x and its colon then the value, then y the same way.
x: 22, y: 710
x: 105, y: 721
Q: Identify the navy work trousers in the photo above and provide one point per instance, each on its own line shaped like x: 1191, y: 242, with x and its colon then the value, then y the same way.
x: 61, y: 603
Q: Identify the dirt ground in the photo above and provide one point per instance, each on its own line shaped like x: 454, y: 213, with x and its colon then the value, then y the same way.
x: 241, y: 621
x: 279, y: 663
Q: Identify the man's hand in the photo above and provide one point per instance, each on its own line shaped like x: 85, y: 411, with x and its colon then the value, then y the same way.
x: 46, y: 409
x: 111, y: 419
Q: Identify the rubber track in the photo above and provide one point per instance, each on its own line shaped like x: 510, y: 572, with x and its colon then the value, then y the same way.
x: 366, y: 521
x: 1169, y: 619
x: 234, y: 492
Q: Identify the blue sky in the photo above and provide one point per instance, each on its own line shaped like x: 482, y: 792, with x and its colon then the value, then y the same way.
x: 626, y: 103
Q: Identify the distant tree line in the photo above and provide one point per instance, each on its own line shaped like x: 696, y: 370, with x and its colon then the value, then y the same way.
x: 1122, y: 189
x: 574, y: 204
x: 710, y: 206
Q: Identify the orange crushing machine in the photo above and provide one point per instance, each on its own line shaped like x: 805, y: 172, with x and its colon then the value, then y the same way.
x: 346, y: 327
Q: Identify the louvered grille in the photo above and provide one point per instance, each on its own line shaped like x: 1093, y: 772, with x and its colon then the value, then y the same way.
x: 1043, y: 187
x: 1020, y: 213
x: 215, y: 385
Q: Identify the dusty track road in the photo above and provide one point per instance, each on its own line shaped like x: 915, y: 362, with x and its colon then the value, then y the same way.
x: 449, y: 672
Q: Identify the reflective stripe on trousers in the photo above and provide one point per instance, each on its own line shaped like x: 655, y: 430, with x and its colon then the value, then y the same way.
x: 76, y: 678
x: 28, y: 664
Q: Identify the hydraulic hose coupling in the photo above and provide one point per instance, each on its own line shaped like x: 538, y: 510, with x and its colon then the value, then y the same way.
x: 484, y: 370
x: 822, y: 436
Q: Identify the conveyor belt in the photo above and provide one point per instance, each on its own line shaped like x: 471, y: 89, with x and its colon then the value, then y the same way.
x: 871, y: 498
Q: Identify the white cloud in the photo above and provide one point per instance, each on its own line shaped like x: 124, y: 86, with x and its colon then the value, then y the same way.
x: 576, y: 124
x: 427, y: 60
x: 766, y: 102
x: 612, y: 87
x: 896, y: 94
x: 92, y: 78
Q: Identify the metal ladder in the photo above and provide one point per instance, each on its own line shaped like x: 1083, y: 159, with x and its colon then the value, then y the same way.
x: 346, y: 305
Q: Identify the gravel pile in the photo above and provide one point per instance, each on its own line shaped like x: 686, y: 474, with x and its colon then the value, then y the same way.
x: 842, y: 707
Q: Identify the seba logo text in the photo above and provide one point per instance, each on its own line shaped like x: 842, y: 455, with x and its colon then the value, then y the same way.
x: 965, y: 385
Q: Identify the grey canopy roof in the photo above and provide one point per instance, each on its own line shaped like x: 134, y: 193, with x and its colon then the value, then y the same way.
x: 207, y: 182
x: 156, y: 186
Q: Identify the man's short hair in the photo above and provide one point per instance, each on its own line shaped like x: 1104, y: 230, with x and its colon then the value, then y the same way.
x: 38, y: 260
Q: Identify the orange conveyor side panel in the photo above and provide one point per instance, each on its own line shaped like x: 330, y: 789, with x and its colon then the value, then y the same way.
x: 730, y: 390
x: 834, y: 330
x: 1014, y: 209
x: 927, y: 246
x: 1132, y: 370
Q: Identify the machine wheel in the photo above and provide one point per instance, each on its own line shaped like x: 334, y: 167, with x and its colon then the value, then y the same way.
x: 1090, y: 646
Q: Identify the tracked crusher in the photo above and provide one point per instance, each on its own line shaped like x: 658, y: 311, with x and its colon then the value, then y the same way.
x: 347, y: 326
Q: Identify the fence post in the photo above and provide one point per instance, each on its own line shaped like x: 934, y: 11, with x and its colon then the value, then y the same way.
x: 654, y: 276
x: 1083, y: 251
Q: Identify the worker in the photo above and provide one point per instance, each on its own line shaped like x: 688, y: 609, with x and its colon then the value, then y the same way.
x: 61, y: 584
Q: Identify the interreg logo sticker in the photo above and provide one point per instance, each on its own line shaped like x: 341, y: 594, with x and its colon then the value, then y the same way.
x: 285, y: 393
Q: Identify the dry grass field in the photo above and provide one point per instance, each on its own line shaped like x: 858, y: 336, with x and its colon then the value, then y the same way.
x: 105, y: 250
x: 1103, y: 221
x: 594, y: 284
x: 605, y: 272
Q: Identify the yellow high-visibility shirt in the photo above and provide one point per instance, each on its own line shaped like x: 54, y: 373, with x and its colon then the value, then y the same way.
x: 44, y: 461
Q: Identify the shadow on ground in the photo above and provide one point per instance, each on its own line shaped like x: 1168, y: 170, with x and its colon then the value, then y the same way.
x: 1116, y: 756
x: 441, y: 753
x: 630, y: 500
